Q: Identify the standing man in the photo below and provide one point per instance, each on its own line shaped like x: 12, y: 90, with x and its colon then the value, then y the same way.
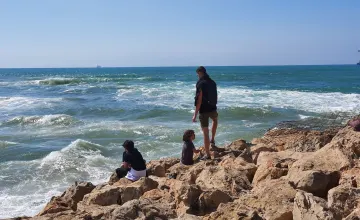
x: 205, y: 102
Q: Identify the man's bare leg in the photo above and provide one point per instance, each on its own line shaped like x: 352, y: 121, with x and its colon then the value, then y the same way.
x: 206, y: 140
x: 213, y: 129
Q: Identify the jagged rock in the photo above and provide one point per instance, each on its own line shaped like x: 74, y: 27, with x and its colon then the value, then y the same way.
x: 233, y: 210
x: 113, y: 178
x: 227, y: 180
x: 343, y: 200
x: 188, y: 217
x: 107, y: 195
x: 297, y: 139
x: 210, y: 200
x: 160, y: 167
x: 348, y: 139
x: 137, y: 189
x: 96, y: 211
x: 239, y: 163
x: 331, y: 158
x: 141, y: 209
x: 273, y: 165
x: 186, y: 197
x: 351, y: 177
x: 119, y: 194
x: 237, y: 145
x: 316, y: 182
x: 355, y: 215
x: 274, y: 197
x: 69, y: 199
x: 307, y: 206
x: 258, y: 148
x: 190, y: 173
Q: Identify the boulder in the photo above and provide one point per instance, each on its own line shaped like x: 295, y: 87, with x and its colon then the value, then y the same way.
x: 107, y: 195
x: 141, y: 209
x: 190, y: 173
x: 234, y: 210
x: 343, y: 200
x: 237, y: 145
x: 331, y: 158
x: 308, y: 206
x: 258, y: 148
x: 355, y: 215
x: 299, y: 140
x: 227, y: 180
x: 119, y: 193
x: 160, y: 167
x: 210, y: 200
x: 69, y: 199
x: 239, y: 163
x: 275, y: 198
x: 348, y: 139
x: 95, y: 211
x: 316, y: 182
x: 137, y: 189
x: 351, y: 177
x: 273, y: 165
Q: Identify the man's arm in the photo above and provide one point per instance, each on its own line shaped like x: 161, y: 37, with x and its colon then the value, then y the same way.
x: 198, y: 104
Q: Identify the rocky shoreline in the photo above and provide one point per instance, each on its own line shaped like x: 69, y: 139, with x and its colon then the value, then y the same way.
x: 287, y: 174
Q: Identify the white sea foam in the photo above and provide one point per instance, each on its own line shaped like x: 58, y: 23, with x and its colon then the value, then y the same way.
x: 45, y: 120
x: 182, y: 97
x: 7, y: 143
x: 21, y: 103
x: 26, y: 192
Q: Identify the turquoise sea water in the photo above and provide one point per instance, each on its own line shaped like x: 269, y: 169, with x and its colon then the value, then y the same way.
x: 58, y: 126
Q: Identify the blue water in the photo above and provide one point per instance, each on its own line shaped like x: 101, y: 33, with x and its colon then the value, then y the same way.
x: 58, y: 126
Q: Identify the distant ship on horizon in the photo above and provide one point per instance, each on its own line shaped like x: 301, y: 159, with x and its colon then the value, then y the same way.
x: 98, y: 66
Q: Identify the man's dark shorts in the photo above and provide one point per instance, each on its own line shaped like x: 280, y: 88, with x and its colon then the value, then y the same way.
x: 204, y: 118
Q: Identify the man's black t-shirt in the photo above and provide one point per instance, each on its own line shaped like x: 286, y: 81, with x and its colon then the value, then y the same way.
x: 134, y: 158
x: 187, y: 153
x: 203, y: 84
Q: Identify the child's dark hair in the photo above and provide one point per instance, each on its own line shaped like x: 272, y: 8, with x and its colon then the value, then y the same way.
x: 187, y: 135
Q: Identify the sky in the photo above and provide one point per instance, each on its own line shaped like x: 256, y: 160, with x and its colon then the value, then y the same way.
x: 86, y: 33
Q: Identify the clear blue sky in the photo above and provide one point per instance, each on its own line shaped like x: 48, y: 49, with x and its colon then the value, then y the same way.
x: 79, y: 33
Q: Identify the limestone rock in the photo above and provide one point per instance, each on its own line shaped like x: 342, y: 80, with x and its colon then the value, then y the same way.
x: 299, y: 140
x: 258, y: 148
x: 141, y: 209
x: 275, y: 198
x: 351, y: 177
x: 227, y: 180
x: 331, y: 158
x: 160, y: 167
x: 273, y: 165
x: 107, y: 195
x: 316, y: 182
x: 237, y: 145
x: 137, y: 189
x: 234, y: 210
x: 307, y: 206
x: 210, y: 200
x: 343, y: 200
x: 355, y: 215
x: 349, y: 139
x: 240, y: 164
x: 69, y: 199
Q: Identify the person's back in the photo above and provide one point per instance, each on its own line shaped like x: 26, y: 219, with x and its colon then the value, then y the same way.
x: 133, y: 166
x: 188, y: 149
x: 187, y: 153
x: 135, y: 158
x: 205, y: 105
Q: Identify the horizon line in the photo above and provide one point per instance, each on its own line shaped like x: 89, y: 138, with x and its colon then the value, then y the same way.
x: 104, y: 67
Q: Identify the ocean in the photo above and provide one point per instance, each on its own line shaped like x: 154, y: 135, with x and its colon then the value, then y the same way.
x: 58, y: 126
